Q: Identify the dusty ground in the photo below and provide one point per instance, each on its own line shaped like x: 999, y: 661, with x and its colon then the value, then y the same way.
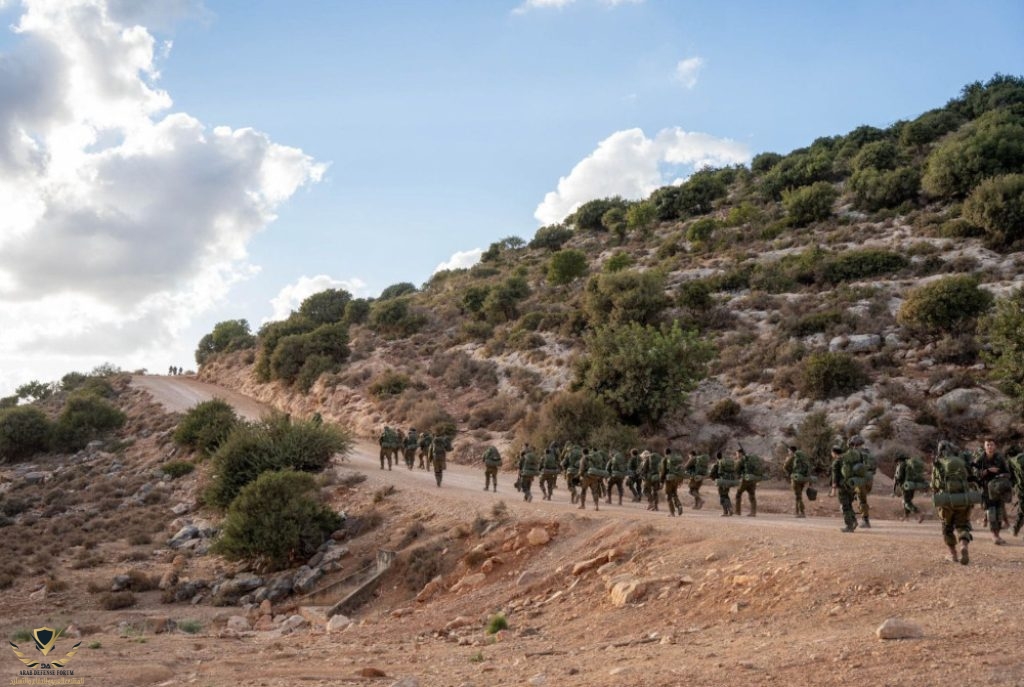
x: 740, y: 601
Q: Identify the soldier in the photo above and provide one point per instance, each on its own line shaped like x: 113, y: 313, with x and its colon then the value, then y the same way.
x: 549, y: 469
x: 672, y: 473
x: 750, y: 469
x: 389, y: 442
x: 571, y: 455
x: 425, y: 440
x: 633, y: 479
x: 650, y: 471
x: 992, y: 474
x: 725, y: 476
x: 412, y: 442
x: 842, y: 474
x: 864, y: 482
x: 438, y: 455
x: 1016, y: 462
x: 617, y: 468
x: 529, y: 467
x: 950, y: 485
x: 590, y: 476
x: 492, y: 461
x: 798, y: 469
x: 697, y: 469
x: 907, y: 479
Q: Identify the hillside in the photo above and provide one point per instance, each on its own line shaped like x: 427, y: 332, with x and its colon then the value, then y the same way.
x: 846, y: 278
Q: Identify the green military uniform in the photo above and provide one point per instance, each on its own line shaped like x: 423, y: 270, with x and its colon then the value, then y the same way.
x: 492, y: 461
x: 617, y: 468
x: 425, y: 440
x: 389, y: 442
x: 412, y: 442
x: 650, y: 471
x: 865, y: 482
x: 529, y: 467
x: 750, y: 472
x: 908, y: 479
x: 590, y: 478
x: 549, y: 469
x: 696, y: 469
x: 951, y: 483
x: 841, y: 476
x: 633, y: 478
x: 672, y: 474
x: 798, y: 469
x: 725, y: 474
x: 992, y: 472
x: 438, y: 456
x: 571, y: 455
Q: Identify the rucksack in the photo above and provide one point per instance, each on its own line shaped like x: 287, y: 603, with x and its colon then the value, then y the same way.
x: 700, y: 465
x: 412, y: 439
x: 852, y: 467
x: 870, y: 464
x: 953, y: 475
x: 753, y: 468
x: 914, y: 470
x: 673, y: 465
x: 492, y: 457
x: 801, y: 468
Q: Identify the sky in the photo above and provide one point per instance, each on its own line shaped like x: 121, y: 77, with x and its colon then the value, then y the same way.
x: 169, y: 164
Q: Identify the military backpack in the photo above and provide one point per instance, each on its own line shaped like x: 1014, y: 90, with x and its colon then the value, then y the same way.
x: 913, y: 476
x: 852, y: 468
x: 700, y: 465
x: 491, y: 457
x: 753, y: 468
x: 801, y: 471
x: 951, y: 483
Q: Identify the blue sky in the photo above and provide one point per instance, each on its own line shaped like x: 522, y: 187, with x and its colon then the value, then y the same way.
x: 366, y: 143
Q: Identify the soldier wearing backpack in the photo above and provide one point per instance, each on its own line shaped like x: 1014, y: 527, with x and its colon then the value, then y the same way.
x: 590, y: 474
x: 650, y: 471
x: 529, y: 467
x: 618, y: 468
x: 864, y: 484
x: 492, y: 461
x: 841, y: 476
x: 798, y: 469
x: 425, y: 440
x: 633, y: 479
x: 750, y: 469
x: 571, y: 455
x: 953, y: 499
x: 725, y: 475
x: 412, y: 441
x: 672, y: 474
x: 438, y: 455
x: 993, y: 475
x: 907, y: 480
x: 549, y: 469
x: 697, y: 469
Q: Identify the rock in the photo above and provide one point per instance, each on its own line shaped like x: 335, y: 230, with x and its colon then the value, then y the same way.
x: 627, y: 591
x: 621, y: 670
x: 264, y: 624
x: 538, y: 680
x: 711, y: 557
x: 182, y: 508
x: 334, y: 553
x: 402, y: 612
x: 306, y: 579
x: 589, y: 564
x: 38, y: 595
x: 72, y: 632
x: 238, y: 623
x: 293, y: 623
x: 487, y: 566
x: 371, y: 672
x: 337, y: 623
x: 406, y: 682
x: 738, y: 606
x: 899, y: 628
x: 527, y: 578
x: 744, y: 580
x: 186, y: 533
x: 37, y: 477
x: 120, y: 583
x: 266, y: 607
x: 159, y: 624
x: 538, y: 536
x: 457, y: 622
x: 240, y: 584
x: 168, y: 580
x: 469, y: 581
x: 430, y: 589
x: 963, y: 404
x: 316, y: 615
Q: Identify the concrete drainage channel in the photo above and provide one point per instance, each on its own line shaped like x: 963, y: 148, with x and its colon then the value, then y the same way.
x: 360, y: 585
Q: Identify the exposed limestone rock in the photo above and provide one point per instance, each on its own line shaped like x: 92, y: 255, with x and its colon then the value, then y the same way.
x: 899, y: 628
x: 538, y: 536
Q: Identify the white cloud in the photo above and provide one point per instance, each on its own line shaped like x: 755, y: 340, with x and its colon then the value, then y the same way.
x: 291, y: 296
x: 461, y: 260
x: 630, y: 165
x: 687, y: 70
x: 559, y: 4
x: 122, y: 221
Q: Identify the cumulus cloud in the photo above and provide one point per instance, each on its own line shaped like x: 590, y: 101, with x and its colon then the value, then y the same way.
x: 631, y: 165
x: 122, y: 220
x: 291, y: 296
x: 559, y: 4
x: 460, y: 260
x: 687, y: 70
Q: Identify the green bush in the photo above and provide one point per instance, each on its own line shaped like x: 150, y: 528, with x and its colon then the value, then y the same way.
x: 879, y: 155
x: 640, y: 217
x: 566, y: 266
x: 1004, y: 329
x: 875, y: 189
x: 625, y: 296
x: 206, y: 425
x: 570, y: 416
x: 997, y: 206
x: 275, y: 443
x: 177, y: 468
x: 276, y: 521
x: 24, y: 431
x: 502, y: 301
x: 813, y: 323
x: 85, y: 417
x: 695, y: 295
x: 991, y: 145
x: 799, y: 168
x: 809, y: 204
x: 929, y: 127
x: 814, y: 437
x: 270, y: 335
x: 389, y: 383
x: 948, y: 304
x: 618, y: 262
x: 403, y: 288
x: 860, y: 264
x: 496, y: 623
x: 643, y: 372
x: 396, y: 318
x: 589, y: 215
x: 614, y: 221
x: 700, y: 231
x: 763, y: 162
x: 826, y: 375
x: 325, y: 307
x: 230, y: 335
x: 725, y: 411
x: 551, y: 237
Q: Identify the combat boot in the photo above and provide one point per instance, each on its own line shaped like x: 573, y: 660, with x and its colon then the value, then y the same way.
x: 753, y: 509
x: 964, y: 556
x: 851, y: 524
x: 1016, y: 528
x: 698, y: 503
x: 866, y: 523
x: 953, y: 554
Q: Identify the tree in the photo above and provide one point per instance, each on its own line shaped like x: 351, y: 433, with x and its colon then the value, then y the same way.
x: 270, y: 335
x: 277, y: 521
x: 614, y: 221
x: 589, y: 215
x: 946, y: 305
x: 643, y: 372
x: 989, y: 146
x: 1004, y: 330
x: 395, y: 290
x: 625, y: 296
x: 874, y: 189
x: 206, y: 425
x: 809, y: 203
x: 997, y: 206
x: 551, y: 237
x: 230, y: 335
x: 566, y: 266
x: 640, y: 217
x: 396, y: 318
x: 828, y: 374
x: 502, y: 301
x: 325, y: 306
x: 35, y: 391
x: 24, y: 432
x: 85, y: 417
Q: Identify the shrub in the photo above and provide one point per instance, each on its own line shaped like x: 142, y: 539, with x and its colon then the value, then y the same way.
x: 929, y: 127
x: 389, y: 383
x: 403, y: 288
x: 997, y: 206
x: 326, y: 307
x: 945, y: 305
x: 24, y: 431
x: 695, y: 295
x: 874, y: 189
x: 114, y: 601
x: 626, y: 296
x: 763, y: 162
x: 814, y: 437
x: 813, y: 323
x: 502, y: 302
x: 566, y: 266
x: 276, y: 521
x: 274, y: 444
x: 643, y: 372
x: 859, y: 264
x: 230, y: 335
x: 725, y: 411
x: 618, y: 262
x: 551, y: 237
x: 177, y: 468
x: 589, y: 215
x: 876, y: 155
x: 614, y: 220
x: 809, y: 203
x: 423, y: 565
x: 270, y: 335
x: 570, y: 416
x: 190, y: 627
x: 84, y: 418
x: 1004, y: 328
x: 826, y: 375
x: 640, y: 217
x: 700, y: 231
x: 989, y: 146
x: 206, y: 425
x: 496, y: 623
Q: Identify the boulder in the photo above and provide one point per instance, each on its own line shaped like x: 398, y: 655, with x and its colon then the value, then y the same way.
x: 899, y: 628
x: 238, y: 623
x: 538, y: 536
x: 627, y: 591
x: 338, y: 622
x: 186, y: 533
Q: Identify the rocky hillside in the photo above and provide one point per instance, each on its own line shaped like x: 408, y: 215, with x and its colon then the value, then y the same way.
x: 839, y: 289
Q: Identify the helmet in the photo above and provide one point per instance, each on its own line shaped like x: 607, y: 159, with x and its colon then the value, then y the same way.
x: 856, y: 440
